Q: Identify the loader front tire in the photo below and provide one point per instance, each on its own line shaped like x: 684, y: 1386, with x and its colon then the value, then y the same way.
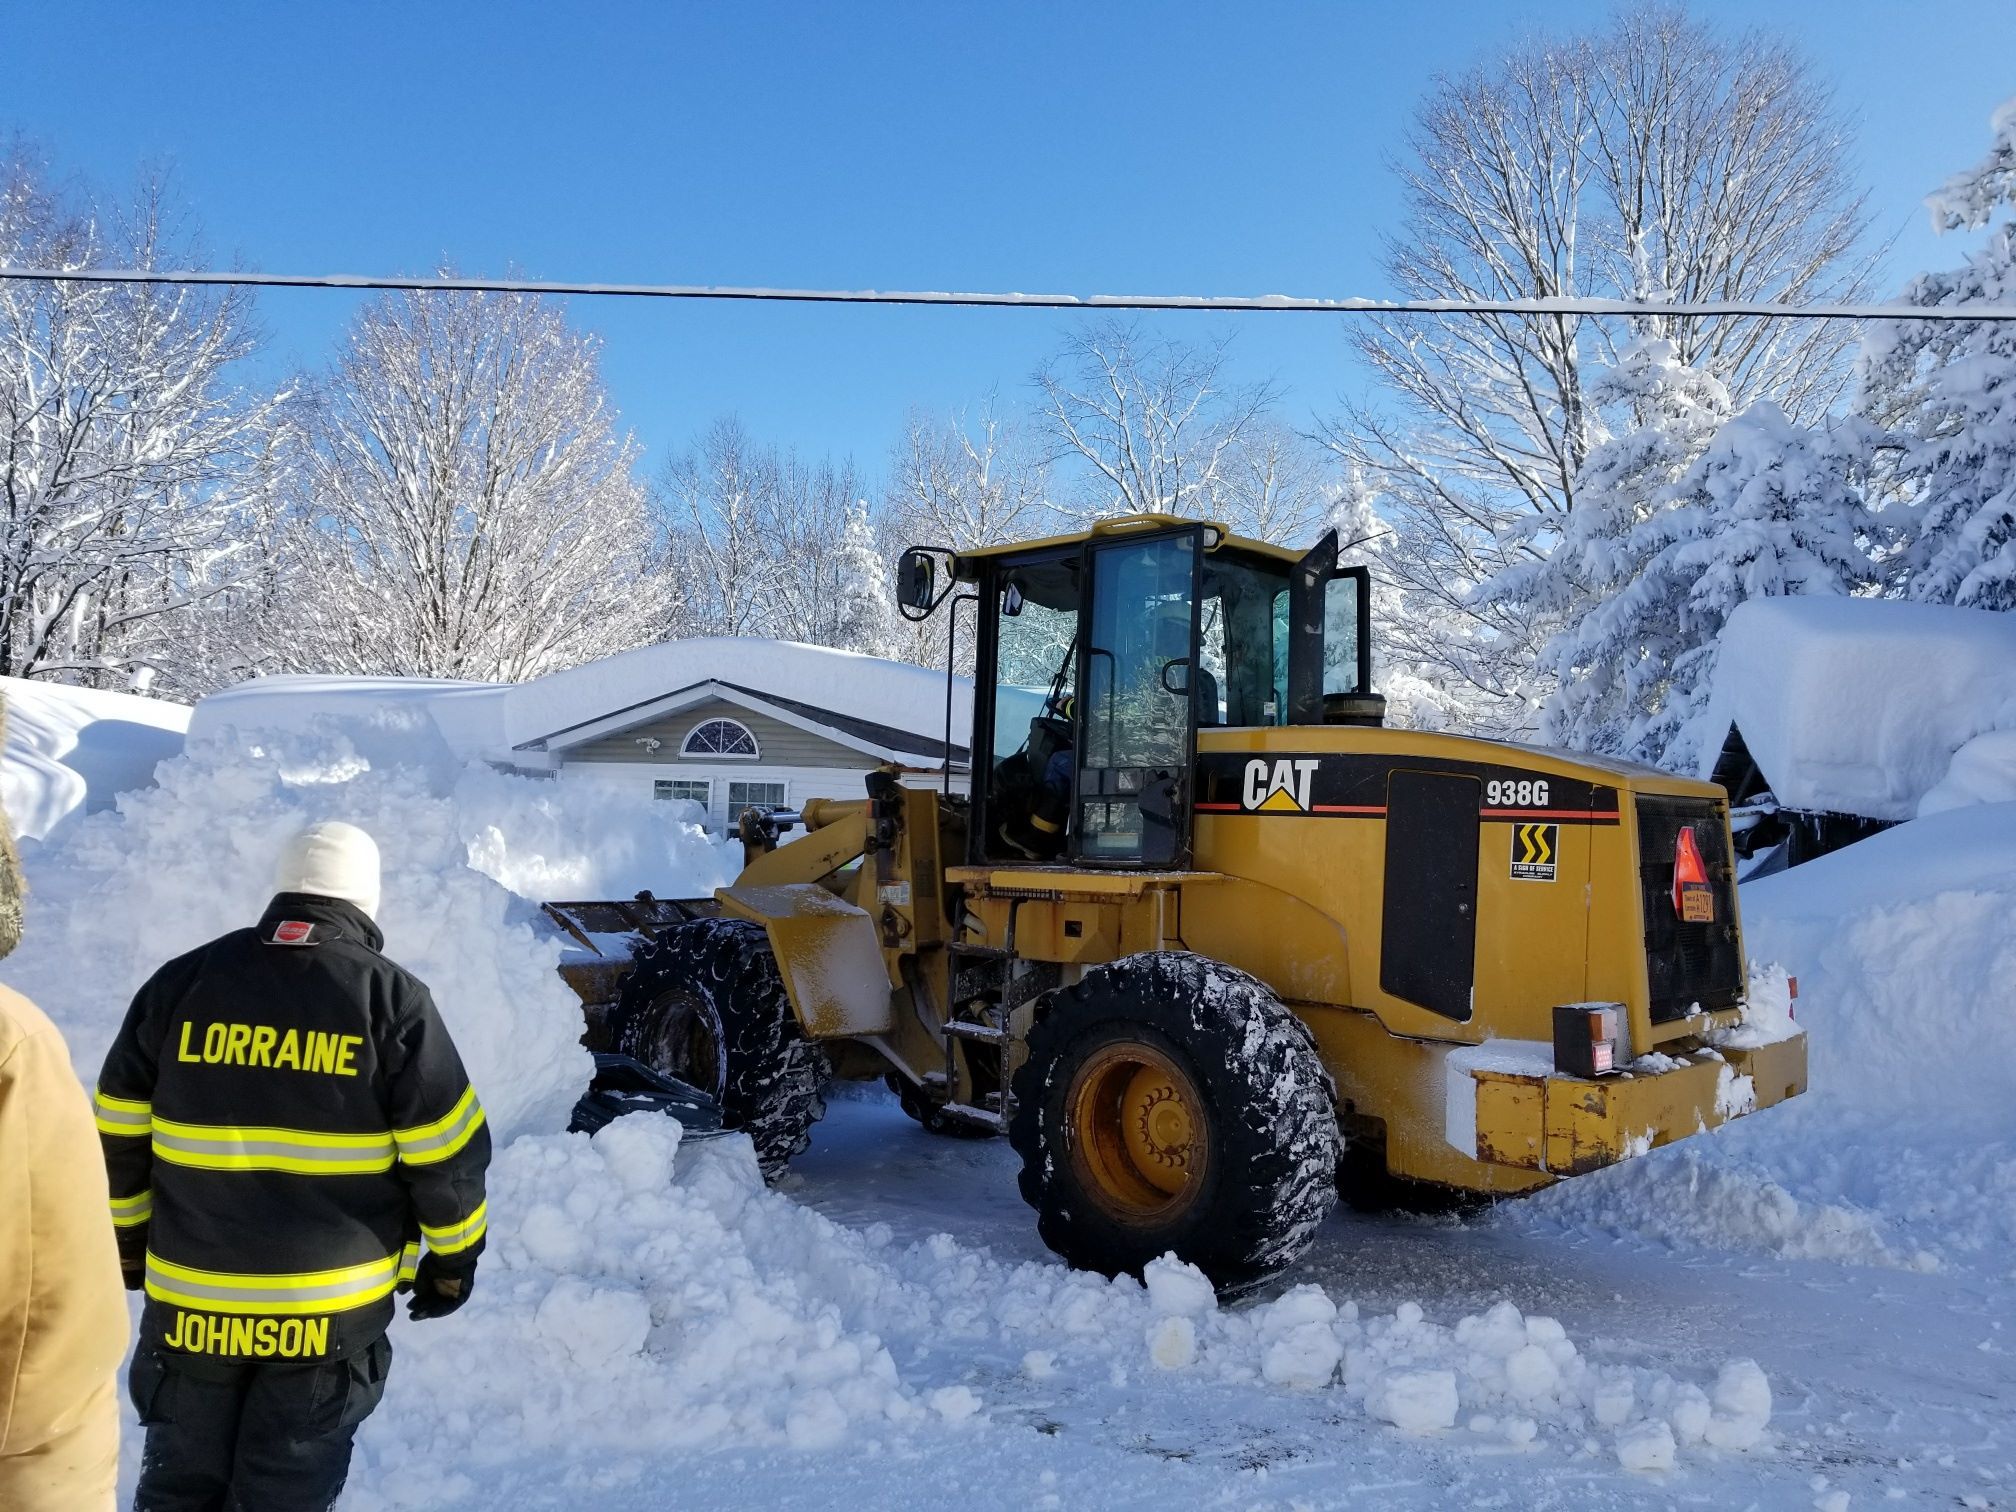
x: 704, y: 1003
x: 1171, y: 1103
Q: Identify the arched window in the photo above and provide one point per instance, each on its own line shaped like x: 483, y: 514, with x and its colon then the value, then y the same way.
x: 720, y: 738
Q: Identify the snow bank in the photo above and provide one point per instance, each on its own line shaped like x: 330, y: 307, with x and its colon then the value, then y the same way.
x: 1903, y: 1151
x: 467, y: 853
x: 73, y: 750
x: 403, y: 721
x: 1858, y: 705
x: 641, y: 1296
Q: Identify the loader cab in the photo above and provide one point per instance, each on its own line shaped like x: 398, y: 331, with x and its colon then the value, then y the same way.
x: 1102, y: 655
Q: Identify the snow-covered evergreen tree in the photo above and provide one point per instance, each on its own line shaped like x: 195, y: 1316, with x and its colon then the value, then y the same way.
x: 1947, y: 392
x: 1771, y: 508
x: 1572, y: 581
x: 865, y: 617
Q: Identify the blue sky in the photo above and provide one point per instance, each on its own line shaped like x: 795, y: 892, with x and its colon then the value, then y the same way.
x: 1159, y: 148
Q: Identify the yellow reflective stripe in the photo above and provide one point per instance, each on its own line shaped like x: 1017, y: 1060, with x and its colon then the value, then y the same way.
x: 120, y: 1115
x: 272, y: 1295
x: 457, y: 1237
x: 443, y: 1137
x: 409, y: 1262
x: 129, y: 1211
x: 302, y: 1152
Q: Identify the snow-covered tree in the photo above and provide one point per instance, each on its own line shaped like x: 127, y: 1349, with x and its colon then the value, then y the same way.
x: 1147, y: 425
x: 865, y: 616
x: 1660, y: 159
x: 1769, y: 508
x: 961, y: 484
x: 1675, y: 411
x: 128, y: 459
x: 1946, y: 392
x: 469, y: 508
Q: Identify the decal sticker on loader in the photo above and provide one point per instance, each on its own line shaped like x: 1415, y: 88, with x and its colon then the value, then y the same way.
x: 1534, y: 848
x: 1337, y: 785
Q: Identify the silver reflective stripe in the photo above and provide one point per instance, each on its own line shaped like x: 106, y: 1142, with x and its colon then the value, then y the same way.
x: 272, y: 1149
x: 119, y: 1115
x: 439, y: 1140
x: 315, y: 1291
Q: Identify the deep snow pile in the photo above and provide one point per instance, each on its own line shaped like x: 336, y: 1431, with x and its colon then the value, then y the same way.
x: 641, y: 1297
x: 1859, y: 705
x: 74, y: 750
x: 395, y: 721
x: 1903, y: 1151
x: 467, y: 853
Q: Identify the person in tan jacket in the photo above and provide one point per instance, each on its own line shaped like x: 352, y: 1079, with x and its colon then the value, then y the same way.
x: 63, y: 1322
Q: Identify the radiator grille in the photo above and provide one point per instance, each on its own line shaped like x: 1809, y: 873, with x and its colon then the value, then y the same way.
x: 1686, y: 963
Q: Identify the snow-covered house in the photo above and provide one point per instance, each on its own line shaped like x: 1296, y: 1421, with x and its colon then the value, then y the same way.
x: 727, y: 723
x: 723, y: 723
x: 1844, y: 716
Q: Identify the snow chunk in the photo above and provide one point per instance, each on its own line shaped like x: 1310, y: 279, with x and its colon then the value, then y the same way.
x: 1302, y: 1350
x: 594, y: 1326
x: 1172, y: 1342
x: 1177, y: 1289
x: 1646, y: 1446
x: 955, y: 1404
x: 1415, y: 1401
x: 1742, y: 1406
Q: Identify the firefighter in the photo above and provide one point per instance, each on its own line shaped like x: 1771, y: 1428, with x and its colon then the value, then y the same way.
x: 286, y: 1122
x: 63, y: 1326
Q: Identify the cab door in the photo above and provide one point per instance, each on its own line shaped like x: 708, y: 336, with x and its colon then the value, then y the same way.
x: 1136, y: 724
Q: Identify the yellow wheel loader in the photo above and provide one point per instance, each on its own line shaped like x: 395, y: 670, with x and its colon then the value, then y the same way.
x: 1203, y: 925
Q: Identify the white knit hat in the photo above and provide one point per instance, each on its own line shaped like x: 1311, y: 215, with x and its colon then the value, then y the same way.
x: 331, y: 860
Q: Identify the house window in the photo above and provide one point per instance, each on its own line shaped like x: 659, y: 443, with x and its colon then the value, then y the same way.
x: 718, y: 738
x: 693, y: 790
x: 743, y: 795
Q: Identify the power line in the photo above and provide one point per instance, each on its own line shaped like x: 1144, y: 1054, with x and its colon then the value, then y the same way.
x: 1256, y: 304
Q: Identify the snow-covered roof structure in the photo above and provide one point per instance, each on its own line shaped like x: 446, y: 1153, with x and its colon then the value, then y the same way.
x: 1858, y: 706
x: 73, y: 750
x: 887, y: 708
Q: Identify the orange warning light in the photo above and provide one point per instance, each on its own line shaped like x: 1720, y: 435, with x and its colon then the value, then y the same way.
x: 1693, y: 899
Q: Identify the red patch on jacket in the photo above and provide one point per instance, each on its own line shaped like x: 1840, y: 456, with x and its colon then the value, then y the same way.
x: 293, y: 932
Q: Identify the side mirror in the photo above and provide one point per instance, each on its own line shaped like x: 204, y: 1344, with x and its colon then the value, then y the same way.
x: 917, y: 580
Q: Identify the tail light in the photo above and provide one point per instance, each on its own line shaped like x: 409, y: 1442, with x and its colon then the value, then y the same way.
x: 1585, y: 1038
x: 1792, y: 998
x: 1693, y: 898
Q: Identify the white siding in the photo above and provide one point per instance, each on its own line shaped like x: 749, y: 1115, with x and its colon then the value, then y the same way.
x: 800, y: 782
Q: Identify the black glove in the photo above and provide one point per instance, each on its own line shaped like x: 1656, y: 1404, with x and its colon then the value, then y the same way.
x: 133, y: 1273
x: 440, y: 1286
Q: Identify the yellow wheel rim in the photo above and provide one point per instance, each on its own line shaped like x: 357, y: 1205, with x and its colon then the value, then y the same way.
x: 1139, y: 1137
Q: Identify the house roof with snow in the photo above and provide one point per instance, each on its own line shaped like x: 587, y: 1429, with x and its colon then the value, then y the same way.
x: 1863, y: 706
x: 884, y: 709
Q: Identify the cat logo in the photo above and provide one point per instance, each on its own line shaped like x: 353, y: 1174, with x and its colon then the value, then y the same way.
x: 1278, y: 787
x: 1533, y: 851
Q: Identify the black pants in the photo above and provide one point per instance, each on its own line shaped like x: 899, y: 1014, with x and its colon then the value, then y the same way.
x: 251, y: 1436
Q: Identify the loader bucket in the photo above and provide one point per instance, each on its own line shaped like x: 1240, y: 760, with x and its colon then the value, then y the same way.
x: 604, y: 934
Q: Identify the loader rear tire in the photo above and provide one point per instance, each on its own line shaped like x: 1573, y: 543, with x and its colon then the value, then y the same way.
x: 1171, y: 1103
x: 704, y: 1003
